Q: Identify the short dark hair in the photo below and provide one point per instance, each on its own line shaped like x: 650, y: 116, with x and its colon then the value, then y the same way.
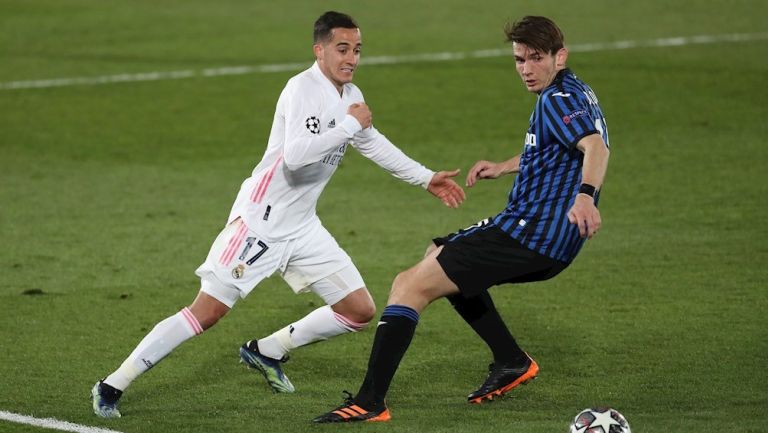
x: 539, y: 33
x: 332, y: 20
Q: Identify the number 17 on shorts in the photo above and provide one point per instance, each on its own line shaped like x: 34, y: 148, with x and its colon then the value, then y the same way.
x: 239, y: 258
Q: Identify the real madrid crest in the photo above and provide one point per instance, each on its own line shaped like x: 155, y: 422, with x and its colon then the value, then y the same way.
x: 238, y: 272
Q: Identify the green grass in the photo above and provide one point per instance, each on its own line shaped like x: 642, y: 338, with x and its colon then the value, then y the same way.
x: 111, y: 195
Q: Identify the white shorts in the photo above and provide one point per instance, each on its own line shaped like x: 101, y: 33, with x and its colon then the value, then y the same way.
x: 239, y: 260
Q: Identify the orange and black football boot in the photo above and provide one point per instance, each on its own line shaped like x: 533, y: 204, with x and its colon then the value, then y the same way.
x: 502, y: 378
x: 350, y: 411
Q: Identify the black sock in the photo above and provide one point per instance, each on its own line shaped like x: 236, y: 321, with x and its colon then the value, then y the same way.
x: 481, y: 314
x: 393, y: 336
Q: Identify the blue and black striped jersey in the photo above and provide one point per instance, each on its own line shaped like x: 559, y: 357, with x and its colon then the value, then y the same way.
x: 550, y: 169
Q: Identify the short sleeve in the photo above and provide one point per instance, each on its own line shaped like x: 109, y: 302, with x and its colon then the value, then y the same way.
x: 567, y: 116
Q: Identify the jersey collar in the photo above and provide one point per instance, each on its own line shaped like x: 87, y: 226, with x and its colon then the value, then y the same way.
x: 327, y: 83
x: 558, y: 81
x: 561, y: 74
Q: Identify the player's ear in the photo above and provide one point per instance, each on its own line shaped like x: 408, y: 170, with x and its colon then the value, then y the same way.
x: 561, y: 57
x: 317, y: 49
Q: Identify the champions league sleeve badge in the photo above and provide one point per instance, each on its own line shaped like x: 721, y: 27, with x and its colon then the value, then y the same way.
x: 313, y: 124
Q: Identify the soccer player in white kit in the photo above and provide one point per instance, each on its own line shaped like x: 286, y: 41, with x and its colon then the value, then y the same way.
x: 273, y: 227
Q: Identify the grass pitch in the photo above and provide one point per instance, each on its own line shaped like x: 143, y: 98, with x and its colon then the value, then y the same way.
x: 110, y: 196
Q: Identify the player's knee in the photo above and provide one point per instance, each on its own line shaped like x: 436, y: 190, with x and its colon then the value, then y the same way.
x: 410, y: 289
x: 403, y: 284
x: 356, y: 321
x: 208, y: 318
x: 368, y: 312
x: 400, y: 282
x: 366, y: 316
x: 430, y: 248
x: 357, y: 308
x: 207, y: 310
x: 362, y: 314
x: 216, y: 316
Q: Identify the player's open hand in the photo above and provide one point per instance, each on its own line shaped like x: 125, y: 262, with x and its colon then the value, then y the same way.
x: 362, y: 113
x: 484, y: 170
x: 585, y: 215
x: 444, y: 188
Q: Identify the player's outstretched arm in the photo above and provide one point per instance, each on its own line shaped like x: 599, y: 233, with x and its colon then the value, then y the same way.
x: 492, y: 170
x: 444, y: 188
x: 584, y: 213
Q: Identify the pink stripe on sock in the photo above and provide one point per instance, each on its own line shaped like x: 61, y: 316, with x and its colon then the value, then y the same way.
x: 234, y: 244
x: 355, y: 326
x: 192, y: 320
x: 262, y: 190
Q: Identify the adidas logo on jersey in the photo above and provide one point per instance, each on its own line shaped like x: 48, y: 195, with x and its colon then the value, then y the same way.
x: 332, y: 123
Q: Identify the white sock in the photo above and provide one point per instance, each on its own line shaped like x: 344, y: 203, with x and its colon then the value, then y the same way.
x: 320, y: 324
x: 161, y: 340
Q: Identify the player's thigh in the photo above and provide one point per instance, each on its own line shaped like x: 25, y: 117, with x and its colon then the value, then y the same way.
x: 422, y: 284
x: 483, y: 255
x: 318, y: 256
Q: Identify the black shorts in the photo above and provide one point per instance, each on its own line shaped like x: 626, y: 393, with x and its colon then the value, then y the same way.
x: 482, y: 256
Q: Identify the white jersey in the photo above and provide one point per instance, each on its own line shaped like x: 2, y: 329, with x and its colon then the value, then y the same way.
x: 310, y: 133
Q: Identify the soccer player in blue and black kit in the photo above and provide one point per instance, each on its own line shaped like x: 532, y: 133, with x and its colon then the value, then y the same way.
x: 552, y: 210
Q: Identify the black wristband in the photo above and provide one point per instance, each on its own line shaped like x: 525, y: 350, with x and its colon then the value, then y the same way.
x: 588, y: 189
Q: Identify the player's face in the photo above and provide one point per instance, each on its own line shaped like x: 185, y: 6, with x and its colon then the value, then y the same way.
x: 537, y: 69
x: 338, y: 58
